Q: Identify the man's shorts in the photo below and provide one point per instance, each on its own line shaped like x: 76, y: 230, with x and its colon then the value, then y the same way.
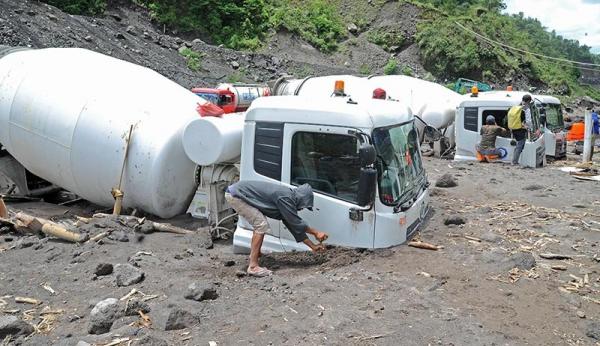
x: 249, y: 213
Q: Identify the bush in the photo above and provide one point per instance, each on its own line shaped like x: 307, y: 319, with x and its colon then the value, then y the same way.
x: 407, y: 71
x: 316, y: 21
x: 80, y: 7
x: 192, y: 59
x: 236, y: 24
x: 391, y: 67
x: 365, y: 69
x: 386, y: 39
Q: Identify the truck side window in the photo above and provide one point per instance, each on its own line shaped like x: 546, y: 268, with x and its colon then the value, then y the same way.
x: 328, y: 162
x: 501, y: 117
x: 472, y: 119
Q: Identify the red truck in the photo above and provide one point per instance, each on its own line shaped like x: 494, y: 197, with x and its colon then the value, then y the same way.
x: 233, y: 97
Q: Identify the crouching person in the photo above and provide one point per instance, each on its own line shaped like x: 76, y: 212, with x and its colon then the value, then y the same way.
x: 486, y: 150
x: 257, y: 200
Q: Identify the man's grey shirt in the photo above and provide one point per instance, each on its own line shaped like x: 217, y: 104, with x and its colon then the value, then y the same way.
x: 277, y: 202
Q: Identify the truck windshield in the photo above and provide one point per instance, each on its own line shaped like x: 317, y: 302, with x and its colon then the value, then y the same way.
x: 554, y: 116
x: 399, y: 165
x: 212, y: 98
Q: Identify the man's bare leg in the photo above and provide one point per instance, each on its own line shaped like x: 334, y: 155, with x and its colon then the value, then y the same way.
x: 255, y: 245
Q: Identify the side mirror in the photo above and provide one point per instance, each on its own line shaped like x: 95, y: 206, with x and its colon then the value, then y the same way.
x: 367, y: 155
x: 367, y: 184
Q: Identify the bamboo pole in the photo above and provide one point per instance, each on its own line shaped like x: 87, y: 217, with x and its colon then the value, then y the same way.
x: 117, y: 192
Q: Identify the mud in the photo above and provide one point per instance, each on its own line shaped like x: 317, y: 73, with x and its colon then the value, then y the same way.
x: 487, y: 285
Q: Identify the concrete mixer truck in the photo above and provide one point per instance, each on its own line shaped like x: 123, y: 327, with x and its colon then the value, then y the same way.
x: 470, y: 117
x: 361, y: 157
x: 233, y: 97
x: 434, y: 105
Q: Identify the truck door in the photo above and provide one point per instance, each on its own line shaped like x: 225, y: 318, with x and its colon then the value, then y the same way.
x: 467, y: 132
x: 326, y: 157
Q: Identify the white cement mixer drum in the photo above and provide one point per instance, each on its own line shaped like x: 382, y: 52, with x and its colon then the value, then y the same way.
x: 213, y: 140
x: 65, y: 114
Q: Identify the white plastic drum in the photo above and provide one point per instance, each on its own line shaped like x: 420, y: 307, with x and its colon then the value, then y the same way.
x: 65, y: 114
x: 211, y: 140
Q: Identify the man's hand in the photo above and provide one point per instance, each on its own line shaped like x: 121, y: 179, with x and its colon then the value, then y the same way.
x: 320, y: 236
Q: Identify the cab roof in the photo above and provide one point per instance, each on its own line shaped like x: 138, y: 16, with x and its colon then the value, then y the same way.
x: 494, y: 99
x: 331, y: 111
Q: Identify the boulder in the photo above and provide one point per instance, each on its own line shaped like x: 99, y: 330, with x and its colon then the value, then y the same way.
x: 200, y: 291
x: 179, y: 319
x: 128, y: 275
x: 13, y: 326
x: 103, y: 269
x: 103, y: 315
x: 446, y: 180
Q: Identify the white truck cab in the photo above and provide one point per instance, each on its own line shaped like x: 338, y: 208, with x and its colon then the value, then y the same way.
x: 470, y: 117
x: 362, y: 160
x: 553, y: 123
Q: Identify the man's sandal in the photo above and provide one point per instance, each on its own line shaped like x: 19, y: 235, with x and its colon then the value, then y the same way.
x: 261, y: 272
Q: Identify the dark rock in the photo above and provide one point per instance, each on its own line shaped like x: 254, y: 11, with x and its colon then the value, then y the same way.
x: 13, y: 326
x: 352, y: 28
x: 134, y: 305
x: 593, y: 330
x: 490, y: 237
x: 533, y: 187
x: 179, y: 319
x: 149, y: 340
x: 446, y: 180
x: 128, y: 275
x: 103, y: 269
x: 521, y: 260
x: 454, y: 220
x: 200, y: 291
x: 31, y: 12
x: 240, y: 273
x: 103, y: 315
x: 131, y: 30
x: 119, y: 36
x: 229, y: 263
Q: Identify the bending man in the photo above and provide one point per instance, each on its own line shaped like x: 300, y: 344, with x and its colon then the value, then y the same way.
x: 257, y: 200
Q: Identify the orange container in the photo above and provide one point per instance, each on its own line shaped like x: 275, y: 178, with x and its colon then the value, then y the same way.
x: 576, y: 132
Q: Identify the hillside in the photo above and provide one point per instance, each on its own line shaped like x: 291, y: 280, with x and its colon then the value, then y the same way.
x: 201, y: 43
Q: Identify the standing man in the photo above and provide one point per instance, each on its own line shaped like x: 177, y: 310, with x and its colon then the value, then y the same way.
x: 595, y: 130
x: 519, y: 127
x: 257, y: 200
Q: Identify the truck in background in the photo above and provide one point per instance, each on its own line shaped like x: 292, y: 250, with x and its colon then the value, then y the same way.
x: 471, y: 114
x: 233, y: 98
x: 554, y: 126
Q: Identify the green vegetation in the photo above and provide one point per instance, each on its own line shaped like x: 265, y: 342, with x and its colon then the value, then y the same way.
x: 81, y: 7
x: 316, y: 21
x: 386, y: 38
x: 449, y: 51
x: 192, y: 58
x: 365, y: 69
x: 238, y: 76
x: 391, y: 67
x: 237, y: 24
x: 407, y: 71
